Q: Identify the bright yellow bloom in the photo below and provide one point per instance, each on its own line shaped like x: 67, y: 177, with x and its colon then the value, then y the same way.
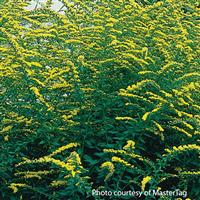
x: 120, y: 160
x: 159, y: 126
x: 14, y: 186
x: 63, y: 148
x: 130, y: 145
x: 145, y: 180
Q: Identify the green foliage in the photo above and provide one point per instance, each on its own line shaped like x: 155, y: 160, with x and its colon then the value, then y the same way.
x: 119, y: 78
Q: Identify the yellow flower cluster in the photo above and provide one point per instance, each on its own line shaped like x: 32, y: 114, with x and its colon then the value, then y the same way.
x: 145, y: 116
x: 15, y: 186
x: 63, y: 148
x: 141, y: 84
x: 159, y: 126
x: 193, y: 173
x: 122, y: 152
x: 121, y: 161
x: 181, y: 130
x: 71, y: 165
x: 40, y: 97
x: 44, y: 172
x: 182, y: 148
x: 130, y: 145
x: 144, y: 181
x: 6, y: 129
x: 58, y: 183
x: 125, y: 119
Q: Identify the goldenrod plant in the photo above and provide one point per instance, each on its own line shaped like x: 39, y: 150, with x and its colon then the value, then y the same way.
x: 99, y: 95
x: 68, y: 175
x: 155, y: 175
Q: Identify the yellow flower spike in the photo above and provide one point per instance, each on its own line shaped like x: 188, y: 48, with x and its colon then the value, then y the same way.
x: 107, y: 14
x: 15, y: 186
x: 6, y: 138
x: 188, y: 125
x: 145, y: 50
x: 159, y: 126
x: 40, y: 97
x: 125, y: 119
x: 63, y: 148
x: 182, y: 131
x: 58, y: 183
x: 182, y: 148
x: 81, y: 58
x: 130, y: 145
x: 6, y: 129
x: 128, y: 7
x: 192, y: 173
x: 73, y: 173
x: 114, y: 42
x: 37, y: 64
x: 39, y: 82
x: 159, y: 188
x: 144, y: 117
x: 121, y: 161
x: 145, y: 180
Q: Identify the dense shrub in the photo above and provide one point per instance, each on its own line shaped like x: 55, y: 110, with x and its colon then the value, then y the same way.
x: 99, y: 95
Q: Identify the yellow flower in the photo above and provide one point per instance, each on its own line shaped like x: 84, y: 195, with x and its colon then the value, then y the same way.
x: 113, y: 42
x: 40, y: 97
x: 183, y: 148
x: 144, y: 118
x: 145, y: 180
x: 6, y: 138
x: 111, y: 19
x: 130, y: 145
x: 14, y: 186
x: 159, y: 126
x: 159, y: 188
x: 81, y: 58
x: 182, y: 131
x: 188, y: 125
x: 63, y: 148
x: 37, y: 64
x: 197, y: 173
x: 120, y: 160
x: 125, y: 118
x: 6, y: 129
x: 58, y: 183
